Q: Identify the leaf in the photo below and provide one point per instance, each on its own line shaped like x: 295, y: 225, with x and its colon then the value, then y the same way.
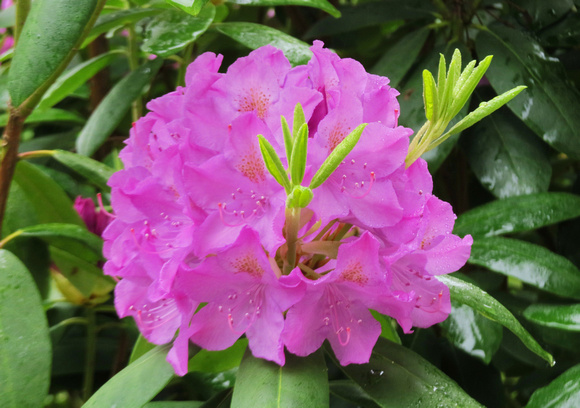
x: 301, y: 382
x: 256, y: 35
x: 218, y: 361
x: 171, y: 31
x: 26, y: 355
x: 51, y: 115
x: 8, y: 17
x: 398, y: 377
x: 533, y: 264
x: 470, y: 295
x: 545, y: 13
x: 141, y: 347
x: 66, y: 22
x: 113, y: 107
x: 506, y: 157
x: 563, y: 317
x: 273, y: 163
x: 70, y: 81
x: 319, y: 4
x: 551, y: 104
x: 517, y: 214
x: 137, y: 383
x: 174, y: 404
x: 350, y: 391
x: 94, y: 171
x: 192, y: 7
x: 471, y: 332
x: 563, y: 392
x: 50, y: 202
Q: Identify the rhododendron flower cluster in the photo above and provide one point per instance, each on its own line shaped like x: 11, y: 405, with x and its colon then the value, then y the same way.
x: 275, y: 202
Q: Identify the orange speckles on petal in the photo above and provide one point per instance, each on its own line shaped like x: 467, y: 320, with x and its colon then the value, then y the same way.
x: 254, y: 100
x: 248, y: 264
x: 337, y: 135
x: 354, y: 273
x: 251, y: 165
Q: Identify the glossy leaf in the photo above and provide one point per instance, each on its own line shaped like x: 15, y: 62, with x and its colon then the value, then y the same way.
x: 113, y: 107
x: 517, y: 214
x: 171, y: 31
x: 350, y: 391
x: 398, y: 377
x: 192, y: 7
x: 256, y: 35
x: 563, y: 392
x: 544, y: 13
x: 301, y: 382
x: 564, y: 317
x: 320, y: 4
x: 66, y: 21
x: 472, y: 296
x: 51, y: 115
x: 94, y: 171
x: 532, y: 264
x: 137, y: 383
x: 506, y: 157
x: 551, y: 104
x: 218, y: 361
x: 26, y: 351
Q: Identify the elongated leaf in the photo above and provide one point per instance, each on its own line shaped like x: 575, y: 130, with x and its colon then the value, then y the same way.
x: 26, y: 356
x: 516, y: 214
x: 429, y: 95
x: 352, y: 392
x: 94, y: 171
x: 192, y: 7
x: 551, y: 104
x: 320, y: 4
x: 66, y: 21
x: 218, y: 361
x: 530, y: 263
x: 563, y: 392
x: 51, y: 115
x: 174, y: 404
x: 564, y: 317
x: 114, y: 106
x: 256, y: 35
x: 398, y: 377
x: 301, y: 382
x: 470, y: 295
x: 273, y: 163
x: 73, y: 79
x: 141, y: 347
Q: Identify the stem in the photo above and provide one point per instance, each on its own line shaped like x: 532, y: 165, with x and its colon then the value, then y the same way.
x: 10, y: 237
x: 22, y: 10
x: 91, y: 353
x: 292, y: 227
x: 137, y: 106
x: 187, y: 53
x: 9, y: 157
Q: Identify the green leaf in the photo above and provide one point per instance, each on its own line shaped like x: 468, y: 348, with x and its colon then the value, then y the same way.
x: 563, y: 392
x: 319, y: 4
x: 50, y: 202
x: 169, y: 32
x: 506, y: 157
x: 192, y: 7
x: 94, y: 171
x: 26, y: 355
x: 551, y: 104
x: 397, y: 377
x: 429, y: 94
x: 350, y: 391
x: 66, y: 22
x: 273, y: 163
x: 298, y: 119
x: 299, y: 151
x: 113, y: 107
x: 51, y: 115
x: 70, y: 81
x: 471, y: 332
x: 141, y: 347
x: 470, y: 295
x: 517, y: 214
x: 564, y: 317
x: 301, y: 382
x: 218, y: 361
x: 8, y: 17
x: 137, y: 383
x: 256, y: 35
x: 174, y: 404
x: 533, y: 264
x: 288, y: 142
x: 468, y: 80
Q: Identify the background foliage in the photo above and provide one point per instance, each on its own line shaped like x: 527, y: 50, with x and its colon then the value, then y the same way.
x: 82, y: 72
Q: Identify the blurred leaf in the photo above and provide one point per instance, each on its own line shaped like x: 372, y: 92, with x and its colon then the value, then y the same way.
x: 256, y: 35
x: 564, y: 317
x: 471, y: 332
x: 563, y: 392
x: 470, y: 295
x: 533, y: 264
x: 397, y: 377
x: 192, y: 7
x: 387, y: 329
x: 551, y: 104
x: 174, y: 404
x: 8, y: 17
x: 544, y: 13
x: 66, y: 21
x: 141, y: 347
x: 218, y: 361
x: 301, y: 382
x: 350, y: 391
x: 51, y: 115
x: 137, y: 383
x: 220, y: 400
x: 73, y: 79
x: 113, y: 107
x: 94, y: 171
x: 320, y: 4
x: 563, y: 34
x: 171, y: 31
x: 506, y: 157
x: 517, y: 214
x: 24, y: 341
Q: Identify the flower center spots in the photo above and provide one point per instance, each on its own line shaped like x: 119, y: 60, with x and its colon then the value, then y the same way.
x: 254, y: 100
x: 150, y: 316
x: 248, y: 264
x: 354, y: 273
x: 252, y: 166
x: 337, y: 135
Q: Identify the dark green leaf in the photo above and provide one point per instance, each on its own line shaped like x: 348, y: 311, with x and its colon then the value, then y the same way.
x: 113, y: 107
x: 551, y: 104
x: 320, y: 4
x: 171, y: 31
x: 137, y: 383
x: 219, y: 361
x: 470, y: 295
x: 26, y: 353
x: 564, y: 317
x: 506, y: 157
x: 51, y: 35
x: 256, y: 35
x: 94, y: 171
x: 174, y: 404
x: 51, y: 115
x: 530, y: 263
x: 301, y: 382
x: 221, y: 400
x: 516, y: 214
x: 352, y: 392
x: 397, y: 377
x: 563, y: 392
x: 543, y: 12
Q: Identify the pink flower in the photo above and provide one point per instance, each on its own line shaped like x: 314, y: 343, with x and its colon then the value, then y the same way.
x: 96, y: 221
